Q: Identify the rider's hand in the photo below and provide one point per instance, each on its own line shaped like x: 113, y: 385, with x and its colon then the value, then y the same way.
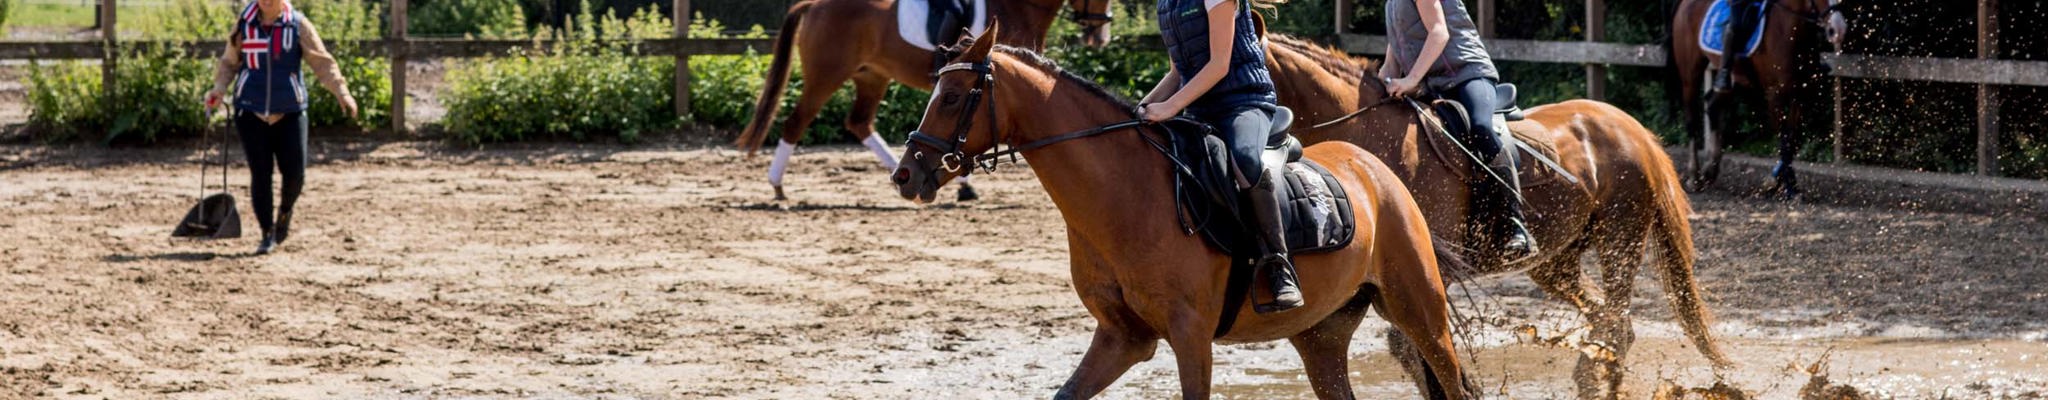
x: 1404, y: 87
x: 212, y: 99
x: 348, y: 105
x: 1158, y: 112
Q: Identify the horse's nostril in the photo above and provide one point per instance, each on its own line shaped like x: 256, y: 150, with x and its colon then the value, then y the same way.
x: 900, y: 177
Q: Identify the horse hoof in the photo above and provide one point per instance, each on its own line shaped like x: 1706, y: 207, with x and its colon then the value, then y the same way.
x: 778, y: 194
x: 967, y: 194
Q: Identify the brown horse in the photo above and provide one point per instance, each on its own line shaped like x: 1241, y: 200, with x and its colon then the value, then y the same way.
x: 1785, y: 58
x: 1138, y: 275
x: 1628, y: 195
x: 856, y: 40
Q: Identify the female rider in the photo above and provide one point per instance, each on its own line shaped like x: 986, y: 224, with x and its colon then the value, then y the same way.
x: 269, y: 44
x: 1219, y: 76
x: 1457, y: 68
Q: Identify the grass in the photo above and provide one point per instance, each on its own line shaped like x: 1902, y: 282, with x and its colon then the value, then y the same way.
x: 72, y: 14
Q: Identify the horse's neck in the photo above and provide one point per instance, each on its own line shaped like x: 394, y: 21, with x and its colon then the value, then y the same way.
x: 1025, y: 23
x: 1113, y: 184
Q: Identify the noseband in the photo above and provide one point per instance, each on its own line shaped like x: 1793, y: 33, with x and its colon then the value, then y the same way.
x: 953, y: 155
x: 1081, y: 15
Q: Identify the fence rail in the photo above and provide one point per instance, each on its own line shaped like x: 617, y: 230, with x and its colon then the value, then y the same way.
x: 1985, y: 71
x: 414, y: 48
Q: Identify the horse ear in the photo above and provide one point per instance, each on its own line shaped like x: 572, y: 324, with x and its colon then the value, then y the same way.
x: 986, y: 42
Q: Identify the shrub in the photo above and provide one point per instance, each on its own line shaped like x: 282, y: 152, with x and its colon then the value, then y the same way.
x: 580, y: 89
x: 486, y: 18
x: 5, y: 6
x: 157, y: 96
x: 340, y: 23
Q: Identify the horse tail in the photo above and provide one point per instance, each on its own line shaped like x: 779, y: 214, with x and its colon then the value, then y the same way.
x: 1674, y: 251
x: 777, y: 80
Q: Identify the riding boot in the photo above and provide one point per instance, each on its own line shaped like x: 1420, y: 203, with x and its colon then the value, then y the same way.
x: 1265, y: 202
x: 1507, y: 227
x: 284, y: 227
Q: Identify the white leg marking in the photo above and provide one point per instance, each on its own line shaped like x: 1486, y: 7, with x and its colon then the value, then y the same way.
x: 775, y: 168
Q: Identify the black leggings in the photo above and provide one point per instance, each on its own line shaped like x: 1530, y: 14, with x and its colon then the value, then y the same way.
x: 1478, y: 98
x: 280, y: 146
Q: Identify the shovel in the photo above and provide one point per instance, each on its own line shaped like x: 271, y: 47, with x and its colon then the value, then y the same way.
x: 215, y: 217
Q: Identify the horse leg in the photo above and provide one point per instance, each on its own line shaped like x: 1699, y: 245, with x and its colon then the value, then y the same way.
x: 1113, y: 351
x: 1695, y: 128
x: 1563, y: 278
x: 1785, y: 119
x: 1412, y: 298
x: 1325, y: 350
x: 821, y: 79
x: 868, y: 89
x: 1619, y: 249
x: 1193, y: 339
x: 1719, y: 121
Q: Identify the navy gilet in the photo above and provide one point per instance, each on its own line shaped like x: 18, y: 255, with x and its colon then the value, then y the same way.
x: 1184, y: 24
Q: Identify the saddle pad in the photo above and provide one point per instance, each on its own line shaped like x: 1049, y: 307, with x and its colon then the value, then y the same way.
x: 911, y: 16
x: 1712, y: 30
x: 1316, y: 210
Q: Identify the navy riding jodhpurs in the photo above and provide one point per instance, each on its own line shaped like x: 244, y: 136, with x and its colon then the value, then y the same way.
x: 1477, y: 96
x: 1246, y: 130
x: 280, y: 146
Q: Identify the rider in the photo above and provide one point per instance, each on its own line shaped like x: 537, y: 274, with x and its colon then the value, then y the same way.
x: 1742, y: 20
x: 942, y: 12
x: 1219, y: 76
x: 269, y: 47
x: 1460, y: 70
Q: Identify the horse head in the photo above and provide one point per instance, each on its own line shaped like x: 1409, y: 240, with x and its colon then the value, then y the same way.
x: 1094, y: 17
x: 948, y: 137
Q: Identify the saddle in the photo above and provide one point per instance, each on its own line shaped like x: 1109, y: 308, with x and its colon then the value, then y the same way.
x: 1456, y: 122
x: 1316, y: 209
x: 1714, y: 26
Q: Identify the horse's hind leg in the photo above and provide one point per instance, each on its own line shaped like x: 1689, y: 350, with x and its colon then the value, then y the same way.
x: 1785, y: 118
x: 1325, y: 349
x: 1413, y: 299
x: 1618, y: 244
x: 823, y: 75
x: 869, y: 88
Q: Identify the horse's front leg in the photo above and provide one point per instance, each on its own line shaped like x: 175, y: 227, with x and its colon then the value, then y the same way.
x: 1114, y: 350
x: 1192, y: 336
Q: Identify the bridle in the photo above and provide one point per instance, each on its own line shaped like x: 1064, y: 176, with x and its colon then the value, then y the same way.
x: 1082, y: 16
x: 953, y: 155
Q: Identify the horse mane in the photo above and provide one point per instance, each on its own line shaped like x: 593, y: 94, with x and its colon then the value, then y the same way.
x: 1048, y: 66
x: 1331, y: 59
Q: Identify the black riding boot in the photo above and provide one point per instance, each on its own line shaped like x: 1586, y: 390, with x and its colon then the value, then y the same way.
x: 1502, y: 207
x: 1733, y: 38
x: 1265, y: 211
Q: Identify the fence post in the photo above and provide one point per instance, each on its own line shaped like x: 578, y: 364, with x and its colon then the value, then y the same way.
x: 109, y: 52
x: 1486, y: 10
x: 682, y: 22
x: 1987, y: 95
x: 1596, y: 31
x: 1840, y: 132
x: 396, y: 43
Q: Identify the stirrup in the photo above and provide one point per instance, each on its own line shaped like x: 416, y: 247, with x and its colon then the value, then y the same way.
x: 1518, y: 229
x: 1285, y: 297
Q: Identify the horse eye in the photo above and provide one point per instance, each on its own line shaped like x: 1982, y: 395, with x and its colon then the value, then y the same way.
x: 952, y: 98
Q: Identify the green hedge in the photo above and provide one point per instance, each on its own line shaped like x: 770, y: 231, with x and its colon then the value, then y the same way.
x: 579, y: 90
x: 482, y: 18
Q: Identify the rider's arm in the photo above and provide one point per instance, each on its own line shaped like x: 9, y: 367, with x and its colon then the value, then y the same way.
x: 1222, y: 34
x: 1387, y: 68
x: 1439, y: 37
x: 1167, y: 85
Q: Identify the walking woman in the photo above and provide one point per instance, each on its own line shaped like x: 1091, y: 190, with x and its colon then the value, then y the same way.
x: 1433, y: 45
x: 269, y: 45
x: 1219, y: 76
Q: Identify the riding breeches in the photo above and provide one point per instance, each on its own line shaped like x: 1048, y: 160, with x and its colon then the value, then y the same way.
x: 1246, y: 130
x: 280, y: 146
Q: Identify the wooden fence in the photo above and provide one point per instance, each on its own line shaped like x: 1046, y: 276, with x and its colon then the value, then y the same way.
x: 400, y: 49
x: 1986, y: 71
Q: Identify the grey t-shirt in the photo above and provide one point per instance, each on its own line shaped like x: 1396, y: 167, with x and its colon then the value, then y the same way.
x: 1463, y: 58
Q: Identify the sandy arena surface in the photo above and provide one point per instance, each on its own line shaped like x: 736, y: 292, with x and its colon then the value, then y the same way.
x: 662, y: 271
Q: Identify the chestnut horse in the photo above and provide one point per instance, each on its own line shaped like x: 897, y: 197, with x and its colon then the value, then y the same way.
x: 1628, y: 195
x: 1141, y: 278
x: 1786, y: 58
x: 856, y: 40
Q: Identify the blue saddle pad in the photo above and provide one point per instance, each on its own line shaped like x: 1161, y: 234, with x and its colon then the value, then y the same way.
x: 1716, y: 24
